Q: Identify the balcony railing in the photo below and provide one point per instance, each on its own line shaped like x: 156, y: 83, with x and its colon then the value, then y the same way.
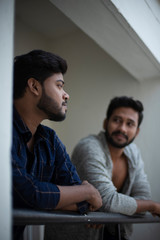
x: 33, y: 217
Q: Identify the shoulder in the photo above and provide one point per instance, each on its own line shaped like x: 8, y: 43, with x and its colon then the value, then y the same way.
x: 89, y: 142
x: 90, y: 147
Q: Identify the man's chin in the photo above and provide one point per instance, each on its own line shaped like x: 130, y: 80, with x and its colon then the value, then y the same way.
x: 118, y: 144
x: 58, y: 119
x: 113, y: 141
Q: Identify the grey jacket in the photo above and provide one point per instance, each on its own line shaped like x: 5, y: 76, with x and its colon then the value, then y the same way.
x: 93, y: 162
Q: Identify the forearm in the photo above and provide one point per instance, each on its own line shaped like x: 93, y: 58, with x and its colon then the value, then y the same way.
x: 70, y: 195
x: 148, y: 205
x: 72, y: 207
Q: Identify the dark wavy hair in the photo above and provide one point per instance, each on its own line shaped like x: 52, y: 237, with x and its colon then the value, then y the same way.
x: 125, y: 101
x: 36, y: 64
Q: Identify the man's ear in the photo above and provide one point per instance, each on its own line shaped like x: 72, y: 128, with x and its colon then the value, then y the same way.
x: 34, y: 86
x: 137, y: 132
x: 105, y: 124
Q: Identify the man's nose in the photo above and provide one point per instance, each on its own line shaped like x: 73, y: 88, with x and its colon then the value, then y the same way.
x: 123, y: 128
x: 66, y: 96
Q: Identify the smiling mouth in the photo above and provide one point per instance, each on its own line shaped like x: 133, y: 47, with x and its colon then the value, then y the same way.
x: 120, y: 135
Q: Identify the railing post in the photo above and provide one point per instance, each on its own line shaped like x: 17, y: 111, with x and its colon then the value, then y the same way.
x: 118, y: 232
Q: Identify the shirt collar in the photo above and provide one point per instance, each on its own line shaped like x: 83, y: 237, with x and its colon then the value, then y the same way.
x: 21, y: 126
x: 24, y: 130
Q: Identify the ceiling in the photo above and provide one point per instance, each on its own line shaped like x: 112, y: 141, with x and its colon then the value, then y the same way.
x: 103, y: 22
x: 44, y: 17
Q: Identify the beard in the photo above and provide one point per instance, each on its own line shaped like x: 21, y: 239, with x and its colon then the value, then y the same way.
x: 111, y: 141
x: 51, y: 108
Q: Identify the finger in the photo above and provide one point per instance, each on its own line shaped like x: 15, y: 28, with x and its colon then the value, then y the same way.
x: 88, y: 225
x: 99, y: 226
x: 91, y: 225
x: 95, y: 226
x: 91, y: 208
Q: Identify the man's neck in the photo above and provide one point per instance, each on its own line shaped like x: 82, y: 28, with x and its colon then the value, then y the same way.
x: 116, y: 153
x: 28, y: 115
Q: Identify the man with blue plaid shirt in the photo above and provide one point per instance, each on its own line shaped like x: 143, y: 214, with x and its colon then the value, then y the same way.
x: 43, y: 175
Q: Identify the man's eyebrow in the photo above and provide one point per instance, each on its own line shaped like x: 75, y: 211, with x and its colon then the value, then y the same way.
x: 60, y: 80
x: 132, y: 120
x: 128, y: 119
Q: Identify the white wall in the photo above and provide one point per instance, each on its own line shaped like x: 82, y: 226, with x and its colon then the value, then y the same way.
x: 6, y: 56
x: 93, y: 78
x: 26, y: 38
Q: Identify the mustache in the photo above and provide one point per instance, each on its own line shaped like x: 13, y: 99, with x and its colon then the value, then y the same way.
x: 64, y: 103
x: 119, y: 132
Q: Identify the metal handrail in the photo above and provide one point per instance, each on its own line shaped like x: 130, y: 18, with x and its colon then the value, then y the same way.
x: 33, y: 217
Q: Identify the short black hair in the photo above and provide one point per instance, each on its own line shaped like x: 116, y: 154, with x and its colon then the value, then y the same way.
x: 125, y: 101
x: 36, y: 64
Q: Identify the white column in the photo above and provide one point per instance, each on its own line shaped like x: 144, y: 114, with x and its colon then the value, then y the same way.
x: 6, y: 59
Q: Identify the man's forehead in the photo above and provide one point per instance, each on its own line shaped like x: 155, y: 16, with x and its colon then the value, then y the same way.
x: 56, y: 77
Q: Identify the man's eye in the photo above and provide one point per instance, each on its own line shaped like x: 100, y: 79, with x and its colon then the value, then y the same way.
x: 131, y: 124
x: 117, y: 120
x: 60, y: 86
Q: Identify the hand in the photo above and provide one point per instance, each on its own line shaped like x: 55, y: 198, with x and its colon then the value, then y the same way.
x: 95, y: 226
x: 156, y: 209
x: 94, y: 197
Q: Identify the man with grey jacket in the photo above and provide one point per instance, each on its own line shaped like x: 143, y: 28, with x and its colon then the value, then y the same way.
x: 113, y: 164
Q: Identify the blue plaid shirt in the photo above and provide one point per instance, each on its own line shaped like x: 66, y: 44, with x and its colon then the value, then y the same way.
x: 36, y: 175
